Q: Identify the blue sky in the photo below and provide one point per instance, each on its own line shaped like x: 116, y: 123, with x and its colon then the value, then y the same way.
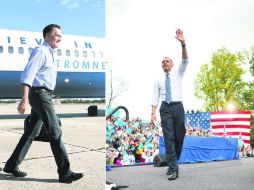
x: 76, y: 17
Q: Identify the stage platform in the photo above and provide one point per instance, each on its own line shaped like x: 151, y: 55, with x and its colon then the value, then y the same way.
x: 205, y: 149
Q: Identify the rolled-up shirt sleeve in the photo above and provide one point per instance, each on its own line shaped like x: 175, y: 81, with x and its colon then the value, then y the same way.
x: 183, y: 66
x: 34, y: 64
x: 156, y: 94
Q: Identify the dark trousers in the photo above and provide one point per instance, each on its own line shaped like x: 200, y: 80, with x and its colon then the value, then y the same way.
x: 42, y: 112
x: 173, y: 128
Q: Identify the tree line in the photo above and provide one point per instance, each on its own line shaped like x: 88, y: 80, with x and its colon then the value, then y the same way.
x: 224, y: 81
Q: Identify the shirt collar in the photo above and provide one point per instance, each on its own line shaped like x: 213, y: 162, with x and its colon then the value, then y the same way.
x: 165, y: 74
x: 49, y: 47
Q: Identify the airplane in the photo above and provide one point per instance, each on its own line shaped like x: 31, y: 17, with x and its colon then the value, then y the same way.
x: 80, y: 60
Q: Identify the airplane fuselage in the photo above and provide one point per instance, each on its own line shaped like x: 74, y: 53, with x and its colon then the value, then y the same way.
x: 80, y: 61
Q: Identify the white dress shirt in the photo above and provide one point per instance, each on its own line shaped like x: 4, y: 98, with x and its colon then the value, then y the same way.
x: 40, y: 71
x: 159, y: 91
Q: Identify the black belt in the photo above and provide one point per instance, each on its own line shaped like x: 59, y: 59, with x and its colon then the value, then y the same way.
x: 40, y: 88
x: 173, y: 103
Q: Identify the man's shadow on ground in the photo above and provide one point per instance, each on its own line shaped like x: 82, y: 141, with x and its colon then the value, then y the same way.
x: 10, y: 177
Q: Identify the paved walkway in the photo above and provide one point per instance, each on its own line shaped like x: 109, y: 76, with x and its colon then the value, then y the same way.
x: 217, y: 175
x: 84, y: 138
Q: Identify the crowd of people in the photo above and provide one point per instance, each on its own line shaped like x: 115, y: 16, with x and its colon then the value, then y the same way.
x: 131, y: 142
x: 137, y: 141
x: 244, y: 151
x: 198, y: 132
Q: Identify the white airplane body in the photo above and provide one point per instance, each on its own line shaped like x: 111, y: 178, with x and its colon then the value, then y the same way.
x: 80, y: 60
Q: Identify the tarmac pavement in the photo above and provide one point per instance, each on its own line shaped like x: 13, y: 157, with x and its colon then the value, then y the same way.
x: 84, y: 139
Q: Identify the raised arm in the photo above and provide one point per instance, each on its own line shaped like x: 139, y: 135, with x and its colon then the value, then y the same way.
x: 180, y: 37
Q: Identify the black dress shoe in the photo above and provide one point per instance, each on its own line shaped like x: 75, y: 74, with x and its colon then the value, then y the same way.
x: 169, y: 173
x: 15, y: 171
x: 172, y: 176
x: 70, y: 178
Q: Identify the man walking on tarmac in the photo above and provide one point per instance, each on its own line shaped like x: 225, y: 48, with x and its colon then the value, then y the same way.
x: 38, y: 81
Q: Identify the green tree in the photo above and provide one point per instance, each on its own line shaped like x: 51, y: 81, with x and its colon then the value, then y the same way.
x: 252, y: 133
x: 220, y: 82
x: 248, y: 95
x: 251, y: 60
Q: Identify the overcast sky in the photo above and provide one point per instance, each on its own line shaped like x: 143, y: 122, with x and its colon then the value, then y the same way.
x: 140, y: 33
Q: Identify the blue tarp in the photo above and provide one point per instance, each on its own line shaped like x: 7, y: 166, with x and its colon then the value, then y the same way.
x: 204, y: 149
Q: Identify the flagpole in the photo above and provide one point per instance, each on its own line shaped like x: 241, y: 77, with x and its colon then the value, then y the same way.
x: 225, y: 134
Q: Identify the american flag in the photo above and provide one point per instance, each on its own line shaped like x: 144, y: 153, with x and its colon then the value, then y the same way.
x: 198, y: 120
x: 232, y: 124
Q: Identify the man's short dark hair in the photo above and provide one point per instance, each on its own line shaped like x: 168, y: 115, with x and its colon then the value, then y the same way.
x: 49, y: 28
